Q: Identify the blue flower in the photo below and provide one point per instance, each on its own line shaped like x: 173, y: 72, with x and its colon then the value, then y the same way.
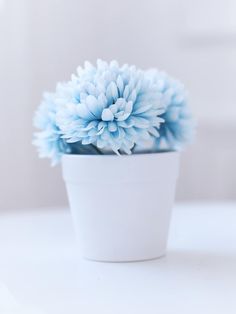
x: 49, y: 141
x: 111, y: 107
x: 177, y: 129
x: 107, y: 109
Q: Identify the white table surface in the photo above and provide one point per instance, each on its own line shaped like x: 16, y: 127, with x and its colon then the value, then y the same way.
x: 39, y: 266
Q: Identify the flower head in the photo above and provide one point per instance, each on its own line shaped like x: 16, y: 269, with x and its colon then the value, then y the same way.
x: 111, y: 109
x: 178, y: 126
x: 49, y: 141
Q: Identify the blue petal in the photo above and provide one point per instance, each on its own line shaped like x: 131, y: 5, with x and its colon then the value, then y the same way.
x: 107, y: 115
x: 120, y: 85
x: 93, y: 106
x: 83, y: 112
x: 112, y: 92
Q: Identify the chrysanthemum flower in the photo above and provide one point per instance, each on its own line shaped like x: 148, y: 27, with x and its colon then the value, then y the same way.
x: 178, y: 126
x: 49, y: 141
x: 111, y: 109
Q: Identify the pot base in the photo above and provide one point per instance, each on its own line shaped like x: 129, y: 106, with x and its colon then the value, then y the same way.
x: 126, y: 261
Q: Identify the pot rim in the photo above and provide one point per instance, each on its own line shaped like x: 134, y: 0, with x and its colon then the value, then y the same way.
x: 113, y: 168
x: 113, y: 156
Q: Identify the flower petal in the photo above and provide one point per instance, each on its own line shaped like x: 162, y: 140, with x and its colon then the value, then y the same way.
x: 112, y: 126
x: 107, y: 115
x: 93, y: 106
x: 83, y: 112
x: 126, y: 92
x: 120, y: 85
x: 112, y: 92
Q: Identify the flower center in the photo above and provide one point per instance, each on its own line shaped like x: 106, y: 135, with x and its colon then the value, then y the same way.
x: 119, y: 111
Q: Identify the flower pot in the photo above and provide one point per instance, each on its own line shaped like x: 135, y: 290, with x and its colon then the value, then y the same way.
x: 121, y: 205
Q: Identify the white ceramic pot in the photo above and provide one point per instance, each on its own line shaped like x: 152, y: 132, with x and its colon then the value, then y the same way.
x: 121, y: 205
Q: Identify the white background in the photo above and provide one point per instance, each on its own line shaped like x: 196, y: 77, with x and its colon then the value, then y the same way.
x: 42, y: 42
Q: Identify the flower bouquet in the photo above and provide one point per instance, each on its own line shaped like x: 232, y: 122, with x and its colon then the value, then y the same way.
x: 118, y: 131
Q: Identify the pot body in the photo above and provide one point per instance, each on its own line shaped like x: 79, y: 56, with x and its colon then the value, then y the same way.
x: 121, y: 205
